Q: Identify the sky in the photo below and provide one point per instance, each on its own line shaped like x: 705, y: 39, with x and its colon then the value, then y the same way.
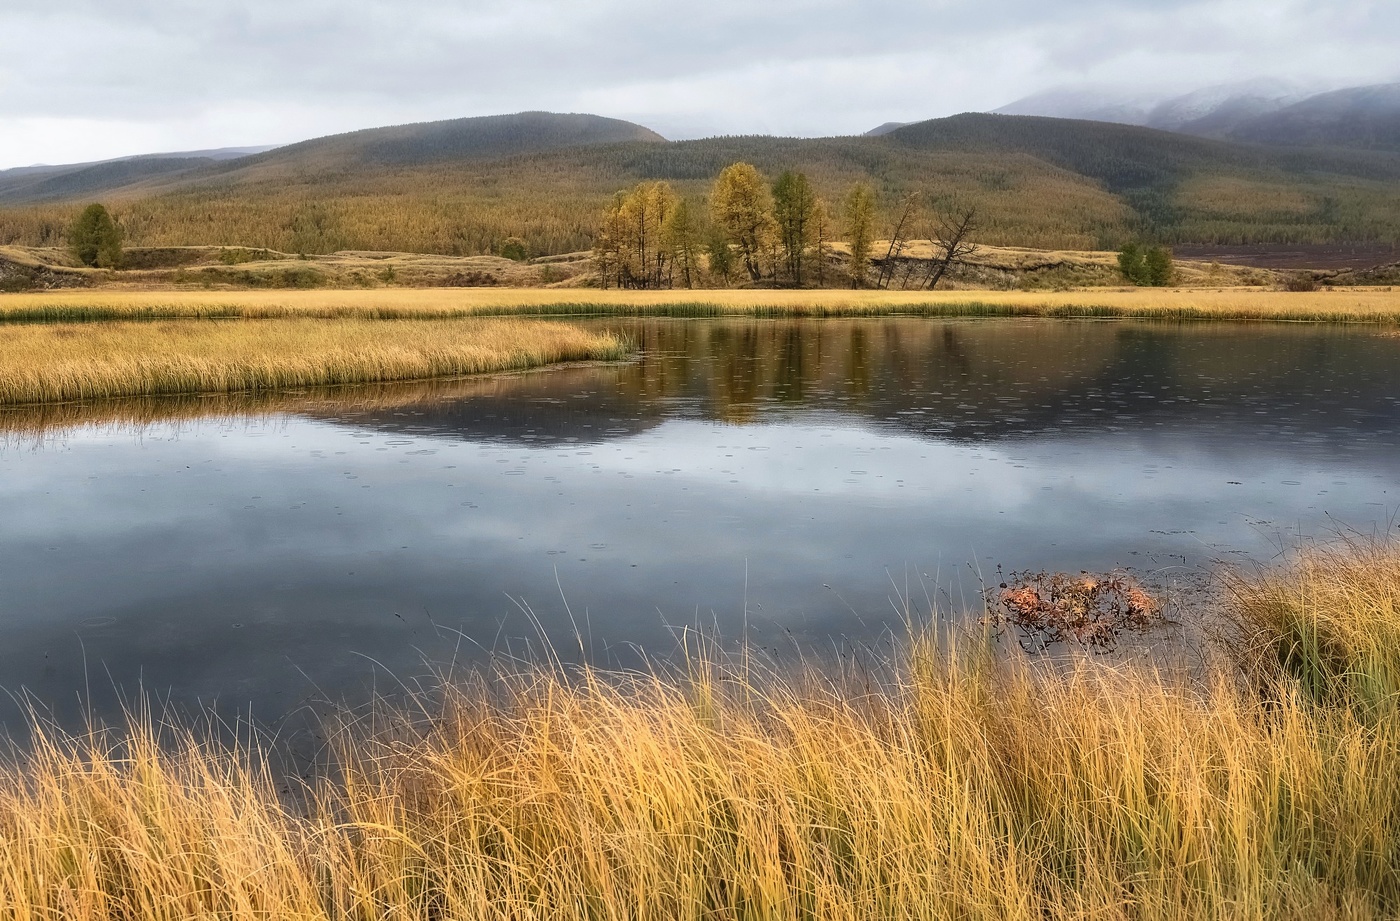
x: 93, y: 79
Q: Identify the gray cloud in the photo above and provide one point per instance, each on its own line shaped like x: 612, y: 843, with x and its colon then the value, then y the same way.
x: 83, y: 79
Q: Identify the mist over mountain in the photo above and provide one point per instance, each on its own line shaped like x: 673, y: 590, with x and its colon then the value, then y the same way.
x: 1366, y: 117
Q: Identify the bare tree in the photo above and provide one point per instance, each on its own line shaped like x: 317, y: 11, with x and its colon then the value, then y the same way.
x: 898, y: 240
x: 953, y: 243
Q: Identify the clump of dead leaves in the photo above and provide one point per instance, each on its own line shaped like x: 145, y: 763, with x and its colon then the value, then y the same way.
x: 1094, y: 610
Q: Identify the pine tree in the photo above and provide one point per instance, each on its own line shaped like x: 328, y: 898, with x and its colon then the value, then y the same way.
x: 1158, y: 266
x: 1132, y: 264
x: 96, y: 239
x: 794, y: 210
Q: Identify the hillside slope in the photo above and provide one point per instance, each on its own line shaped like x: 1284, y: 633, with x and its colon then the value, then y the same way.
x: 460, y: 188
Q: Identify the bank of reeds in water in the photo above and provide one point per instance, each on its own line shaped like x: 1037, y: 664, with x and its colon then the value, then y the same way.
x: 58, y: 362
x: 953, y: 783
x: 1356, y: 305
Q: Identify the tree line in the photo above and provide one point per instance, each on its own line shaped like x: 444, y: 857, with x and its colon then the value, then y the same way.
x: 760, y: 232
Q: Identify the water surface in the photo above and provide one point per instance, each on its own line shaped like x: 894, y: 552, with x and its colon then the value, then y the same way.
x: 791, y: 478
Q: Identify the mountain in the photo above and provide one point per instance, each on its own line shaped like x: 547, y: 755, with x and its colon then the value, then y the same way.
x: 1366, y: 117
x: 1264, y: 111
x: 462, y: 187
x: 1213, y: 111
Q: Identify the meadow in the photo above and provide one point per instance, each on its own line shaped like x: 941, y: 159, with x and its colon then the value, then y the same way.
x: 952, y: 779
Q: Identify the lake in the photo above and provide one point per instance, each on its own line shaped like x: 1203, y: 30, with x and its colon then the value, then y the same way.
x: 792, y: 481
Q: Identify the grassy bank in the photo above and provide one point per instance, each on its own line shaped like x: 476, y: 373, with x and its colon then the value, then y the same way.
x: 948, y: 785
x: 60, y: 361
x: 1368, y: 305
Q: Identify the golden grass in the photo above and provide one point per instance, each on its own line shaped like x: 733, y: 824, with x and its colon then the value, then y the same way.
x: 57, y: 362
x: 945, y: 785
x: 1367, y: 305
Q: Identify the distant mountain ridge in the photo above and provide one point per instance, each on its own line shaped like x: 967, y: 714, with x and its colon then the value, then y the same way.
x: 1269, y: 112
x: 44, y: 182
x: 482, y: 137
x: 409, y: 145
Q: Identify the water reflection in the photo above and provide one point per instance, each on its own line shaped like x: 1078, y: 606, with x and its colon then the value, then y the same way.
x: 272, y: 550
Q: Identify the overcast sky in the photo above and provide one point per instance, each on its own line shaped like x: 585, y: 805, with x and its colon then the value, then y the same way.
x: 91, y: 79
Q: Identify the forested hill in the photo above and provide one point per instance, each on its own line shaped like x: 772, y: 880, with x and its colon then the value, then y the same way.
x: 462, y: 187
x: 483, y: 138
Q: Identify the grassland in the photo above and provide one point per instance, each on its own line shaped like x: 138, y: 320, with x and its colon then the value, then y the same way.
x: 60, y: 361
x: 952, y: 782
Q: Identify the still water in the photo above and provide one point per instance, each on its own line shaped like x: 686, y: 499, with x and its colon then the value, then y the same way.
x: 791, y: 478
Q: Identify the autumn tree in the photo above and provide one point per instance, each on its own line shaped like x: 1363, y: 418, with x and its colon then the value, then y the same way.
x: 680, y: 235
x: 630, y: 245
x: 607, y: 244
x: 794, y: 212
x: 96, y: 239
x: 743, y: 208
x: 860, y: 228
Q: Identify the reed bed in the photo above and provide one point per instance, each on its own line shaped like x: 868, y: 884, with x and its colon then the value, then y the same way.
x: 68, y: 362
x: 1353, y: 305
x: 953, y: 782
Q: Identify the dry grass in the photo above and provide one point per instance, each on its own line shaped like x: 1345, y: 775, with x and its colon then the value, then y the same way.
x: 1366, y: 305
x: 57, y: 362
x: 946, y: 785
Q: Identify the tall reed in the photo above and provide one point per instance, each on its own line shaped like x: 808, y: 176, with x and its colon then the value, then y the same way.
x: 67, y: 362
x: 1370, y: 305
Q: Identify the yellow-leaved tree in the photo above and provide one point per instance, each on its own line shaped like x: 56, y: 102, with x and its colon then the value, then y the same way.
x: 742, y: 208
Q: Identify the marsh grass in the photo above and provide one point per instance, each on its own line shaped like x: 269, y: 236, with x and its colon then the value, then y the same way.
x: 68, y: 362
x: 1368, y: 305
x: 1330, y: 623
x: 952, y: 781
